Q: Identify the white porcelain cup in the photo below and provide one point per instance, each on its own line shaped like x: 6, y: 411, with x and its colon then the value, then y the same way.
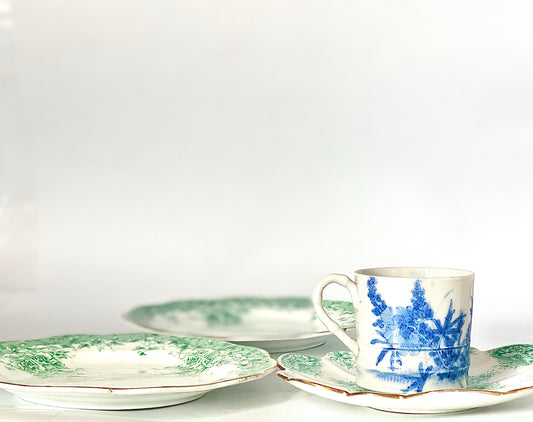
x: 412, y: 327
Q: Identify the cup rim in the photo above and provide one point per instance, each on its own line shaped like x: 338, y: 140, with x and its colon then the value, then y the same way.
x: 415, y: 272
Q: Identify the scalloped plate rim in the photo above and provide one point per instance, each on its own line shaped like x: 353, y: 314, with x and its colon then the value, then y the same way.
x: 293, y: 377
x: 398, y: 396
x: 205, y: 386
x: 299, y: 336
x: 231, y: 338
x: 139, y: 390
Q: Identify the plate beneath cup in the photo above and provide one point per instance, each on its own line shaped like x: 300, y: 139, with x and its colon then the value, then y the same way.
x: 277, y: 324
x: 496, y: 376
x: 125, y: 371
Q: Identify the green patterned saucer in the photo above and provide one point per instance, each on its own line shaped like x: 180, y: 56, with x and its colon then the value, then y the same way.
x: 275, y: 324
x: 125, y: 371
x: 495, y: 376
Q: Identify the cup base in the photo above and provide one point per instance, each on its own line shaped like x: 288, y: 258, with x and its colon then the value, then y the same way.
x: 405, y: 383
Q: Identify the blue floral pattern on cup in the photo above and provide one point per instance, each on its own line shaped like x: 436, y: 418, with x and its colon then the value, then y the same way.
x: 415, y: 331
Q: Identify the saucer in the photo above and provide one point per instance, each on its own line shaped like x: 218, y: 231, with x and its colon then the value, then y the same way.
x: 125, y: 371
x: 278, y: 324
x: 496, y: 376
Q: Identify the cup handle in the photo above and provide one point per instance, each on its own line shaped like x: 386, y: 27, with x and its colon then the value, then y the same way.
x: 331, y: 325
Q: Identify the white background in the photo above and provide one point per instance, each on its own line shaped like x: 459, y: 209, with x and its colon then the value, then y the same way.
x: 159, y: 150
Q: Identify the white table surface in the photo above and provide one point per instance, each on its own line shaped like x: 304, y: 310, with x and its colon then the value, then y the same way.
x: 267, y: 399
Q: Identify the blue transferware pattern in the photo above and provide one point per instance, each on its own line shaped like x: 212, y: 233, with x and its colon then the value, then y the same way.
x: 414, y: 330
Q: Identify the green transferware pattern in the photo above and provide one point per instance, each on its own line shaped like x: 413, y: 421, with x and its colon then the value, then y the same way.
x: 343, y: 359
x: 310, y: 365
x: 50, y: 356
x: 484, y: 381
x: 514, y: 357
x: 313, y: 366
x: 231, y: 311
x: 341, y: 311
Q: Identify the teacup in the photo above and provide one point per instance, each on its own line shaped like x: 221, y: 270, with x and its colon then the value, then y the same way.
x: 412, y: 327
